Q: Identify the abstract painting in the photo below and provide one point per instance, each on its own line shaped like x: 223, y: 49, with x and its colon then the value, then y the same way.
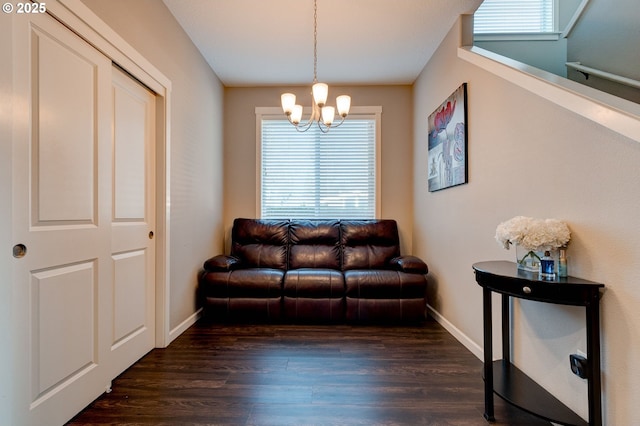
x: 447, y: 156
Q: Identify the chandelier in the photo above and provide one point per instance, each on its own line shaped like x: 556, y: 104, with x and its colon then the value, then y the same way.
x: 321, y: 113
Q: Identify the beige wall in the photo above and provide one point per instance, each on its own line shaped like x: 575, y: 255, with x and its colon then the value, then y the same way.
x: 195, y: 156
x: 396, y: 151
x: 528, y: 156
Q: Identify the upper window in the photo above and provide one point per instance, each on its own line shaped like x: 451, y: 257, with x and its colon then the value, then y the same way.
x: 515, y: 17
x: 318, y: 175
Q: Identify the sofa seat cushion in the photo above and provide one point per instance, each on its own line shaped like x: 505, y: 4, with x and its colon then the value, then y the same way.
x: 384, y: 284
x: 314, y: 294
x: 314, y: 283
x: 243, y: 283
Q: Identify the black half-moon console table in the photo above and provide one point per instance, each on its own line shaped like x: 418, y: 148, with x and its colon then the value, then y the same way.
x: 509, y: 382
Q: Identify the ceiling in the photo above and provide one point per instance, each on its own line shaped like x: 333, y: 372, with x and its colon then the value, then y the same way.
x: 270, y: 42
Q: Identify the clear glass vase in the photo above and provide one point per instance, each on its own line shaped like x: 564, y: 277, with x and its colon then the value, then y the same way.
x: 528, y: 260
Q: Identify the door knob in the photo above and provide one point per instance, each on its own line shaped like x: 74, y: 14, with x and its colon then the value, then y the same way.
x: 151, y: 235
x: 19, y: 250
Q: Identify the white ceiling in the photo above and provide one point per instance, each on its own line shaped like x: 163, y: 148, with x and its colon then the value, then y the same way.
x: 270, y: 42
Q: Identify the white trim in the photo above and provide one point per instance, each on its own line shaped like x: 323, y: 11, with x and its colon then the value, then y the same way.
x: 184, y: 325
x: 610, y: 111
x: 517, y: 37
x: 163, y: 221
x: 275, y: 113
x: 94, y: 30
x: 354, y: 110
x: 576, y: 15
x: 457, y: 333
x: 80, y: 19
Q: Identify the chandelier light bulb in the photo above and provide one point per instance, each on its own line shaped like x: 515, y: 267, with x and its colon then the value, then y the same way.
x: 344, y: 104
x: 288, y: 100
x: 328, y: 113
x: 320, y: 94
x: 296, y: 114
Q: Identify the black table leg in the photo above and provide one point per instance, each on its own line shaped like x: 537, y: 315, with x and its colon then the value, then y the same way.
x: 593, y: 357
x: 506, y: 329
x: 488, y: 355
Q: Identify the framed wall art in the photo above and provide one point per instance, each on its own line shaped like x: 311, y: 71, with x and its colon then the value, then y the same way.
x: 447, y: 157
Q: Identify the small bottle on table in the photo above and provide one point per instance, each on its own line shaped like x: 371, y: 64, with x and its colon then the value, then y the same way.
x: 547, y: 267
x: 562, y: 263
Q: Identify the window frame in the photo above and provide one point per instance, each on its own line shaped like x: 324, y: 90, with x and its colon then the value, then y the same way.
x: 555, y: 34
x: 362, y: 112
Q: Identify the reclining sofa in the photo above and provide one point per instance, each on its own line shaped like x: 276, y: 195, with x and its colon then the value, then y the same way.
x: 314, y: 270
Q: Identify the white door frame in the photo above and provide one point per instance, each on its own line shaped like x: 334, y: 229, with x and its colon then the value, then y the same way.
x: 80, y: 19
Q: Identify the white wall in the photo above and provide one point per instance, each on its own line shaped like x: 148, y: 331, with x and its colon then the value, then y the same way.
x: 528, y: 156
x: 196, y: 139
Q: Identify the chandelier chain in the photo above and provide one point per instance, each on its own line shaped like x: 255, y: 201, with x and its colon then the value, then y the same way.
x: 315, y: 41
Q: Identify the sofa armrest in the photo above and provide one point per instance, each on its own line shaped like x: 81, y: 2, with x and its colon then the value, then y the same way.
x: 411, y: 264
x: 221, y: 263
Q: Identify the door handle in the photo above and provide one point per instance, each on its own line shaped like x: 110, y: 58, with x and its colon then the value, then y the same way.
x: 19, y: 250
x: 151, y: 235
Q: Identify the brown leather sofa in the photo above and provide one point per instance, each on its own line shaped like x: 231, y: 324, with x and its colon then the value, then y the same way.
x: 314, y: 270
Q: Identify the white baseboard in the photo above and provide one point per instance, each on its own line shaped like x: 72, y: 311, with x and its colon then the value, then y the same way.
x: 184, y: 325
x: 459, y: 335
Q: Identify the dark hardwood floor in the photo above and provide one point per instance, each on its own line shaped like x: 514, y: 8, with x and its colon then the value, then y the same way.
x: 217, y: 374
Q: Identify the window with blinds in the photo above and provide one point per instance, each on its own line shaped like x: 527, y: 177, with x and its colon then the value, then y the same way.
x: 515, y: 17
x: 318, y: 175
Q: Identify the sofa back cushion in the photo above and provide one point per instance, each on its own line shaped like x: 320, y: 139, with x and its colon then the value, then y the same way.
x: 368, y: 244
x: 314, y: 244
x: 260, y: 243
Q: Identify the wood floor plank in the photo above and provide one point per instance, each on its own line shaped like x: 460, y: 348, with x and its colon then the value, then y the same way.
x: 239, y: 374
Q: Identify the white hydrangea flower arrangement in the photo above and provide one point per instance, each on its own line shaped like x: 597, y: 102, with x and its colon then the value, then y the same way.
x: 534, y: 235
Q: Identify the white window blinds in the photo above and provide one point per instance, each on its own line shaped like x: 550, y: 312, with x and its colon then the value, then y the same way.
x: 514, y: 16
x: 318, y: 175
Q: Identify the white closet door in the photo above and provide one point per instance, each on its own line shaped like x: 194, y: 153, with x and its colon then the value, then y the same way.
x: 61, y: 215
x: 133, y: 221
x: 82, y: 293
